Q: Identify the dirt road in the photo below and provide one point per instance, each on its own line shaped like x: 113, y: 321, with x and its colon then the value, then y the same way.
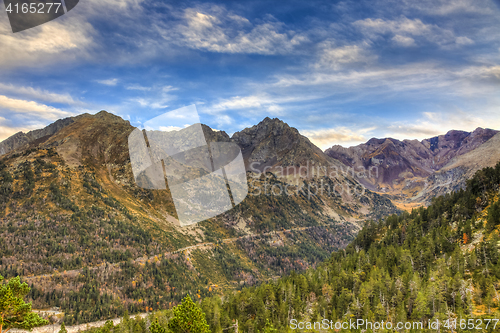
x: 76, y: 328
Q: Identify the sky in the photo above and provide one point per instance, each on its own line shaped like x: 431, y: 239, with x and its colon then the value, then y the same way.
x: 341, y: 72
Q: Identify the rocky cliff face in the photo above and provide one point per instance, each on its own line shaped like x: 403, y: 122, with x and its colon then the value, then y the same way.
x: 454, y: 175
x: 387, y: 159
x: 454, y: 143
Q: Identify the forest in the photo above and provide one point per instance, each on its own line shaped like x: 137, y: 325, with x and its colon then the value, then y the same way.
x: 440, y: 262
x: 84, y: 249
x: 435, y: 263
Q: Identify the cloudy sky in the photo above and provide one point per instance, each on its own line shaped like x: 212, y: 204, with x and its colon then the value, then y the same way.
x: 339, y: 71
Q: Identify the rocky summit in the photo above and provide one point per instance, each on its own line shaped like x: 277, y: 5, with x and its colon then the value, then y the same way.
x: 273, y: 143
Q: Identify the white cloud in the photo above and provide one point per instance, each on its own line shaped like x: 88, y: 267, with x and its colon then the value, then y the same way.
x: 151, y: 103
x: 462, y: 40
x: 7, y: 129
x: 403, y: 40
x: 72, y: 37
x: 45, y: 44
x: 447, y: 7
x: 325, y: 138
x: 405, y: 31
x: 223, y: 120
x: 138, y: 87
x: 485, y: 72
x: 238, y: 102
x: 164, y: 89
x: 469, y: 80
x: 337, y: 57
x: 30, y: 108
x: 437, y: 123
x: 216, y: 30
x: 23, y: 115
x: 126, y: 6
x: 159, y: 97
x: 167, y: 89
x: 40, y: 94
x: 260, y: 103
x: 108, y: 82
x: 171, y: 128
x: 399, y: 78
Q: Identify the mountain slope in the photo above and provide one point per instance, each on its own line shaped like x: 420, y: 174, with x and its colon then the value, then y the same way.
x: 436, y: 263
x: 454, y: 175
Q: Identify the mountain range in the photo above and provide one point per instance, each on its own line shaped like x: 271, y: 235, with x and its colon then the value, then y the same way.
x: 413, y: 171
x: 72, y: 219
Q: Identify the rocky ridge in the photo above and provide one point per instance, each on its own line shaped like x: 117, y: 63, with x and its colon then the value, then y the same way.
x: 407, y: 168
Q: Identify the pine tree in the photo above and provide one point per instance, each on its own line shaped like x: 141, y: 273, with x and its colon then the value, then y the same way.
x: 125, y: 323
x: 63, y: 328
x: 421, y: 309
x: 14, y: 312
x: 269, y: 328
x: 188, y: 318
x: 156, y: 327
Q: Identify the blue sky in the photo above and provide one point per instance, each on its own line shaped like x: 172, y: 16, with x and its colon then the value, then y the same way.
x: 339, y: 71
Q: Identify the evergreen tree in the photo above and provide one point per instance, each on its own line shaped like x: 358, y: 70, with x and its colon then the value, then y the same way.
x: 269, y: 328
x: 63, y: 328
x: 156, y: 327
x: 14, y: 312
x: 188, y: 318
x: 125, y: 323
x: 421, y: 308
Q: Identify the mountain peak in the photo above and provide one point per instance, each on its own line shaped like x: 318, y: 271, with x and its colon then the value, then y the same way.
x: 103, y: 113
x: 108, y: 116
x: 484, y: 131
x: 272, y: 142
x: 272, y: 122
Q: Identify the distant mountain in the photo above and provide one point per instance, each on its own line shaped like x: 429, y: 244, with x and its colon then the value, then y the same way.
x: 454, y: 175
x: 455, y: 143
x: 21, y: 139
x: 72, y: 218
x: 402, y: 167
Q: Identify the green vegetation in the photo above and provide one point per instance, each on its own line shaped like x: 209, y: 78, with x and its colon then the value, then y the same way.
x: 63, y: 328
x: 73, y: 226
x: 156, y: 327
x: 269, y: 328
x: 188, y: 317
x: 14, y: 311
x: 440, y: 262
